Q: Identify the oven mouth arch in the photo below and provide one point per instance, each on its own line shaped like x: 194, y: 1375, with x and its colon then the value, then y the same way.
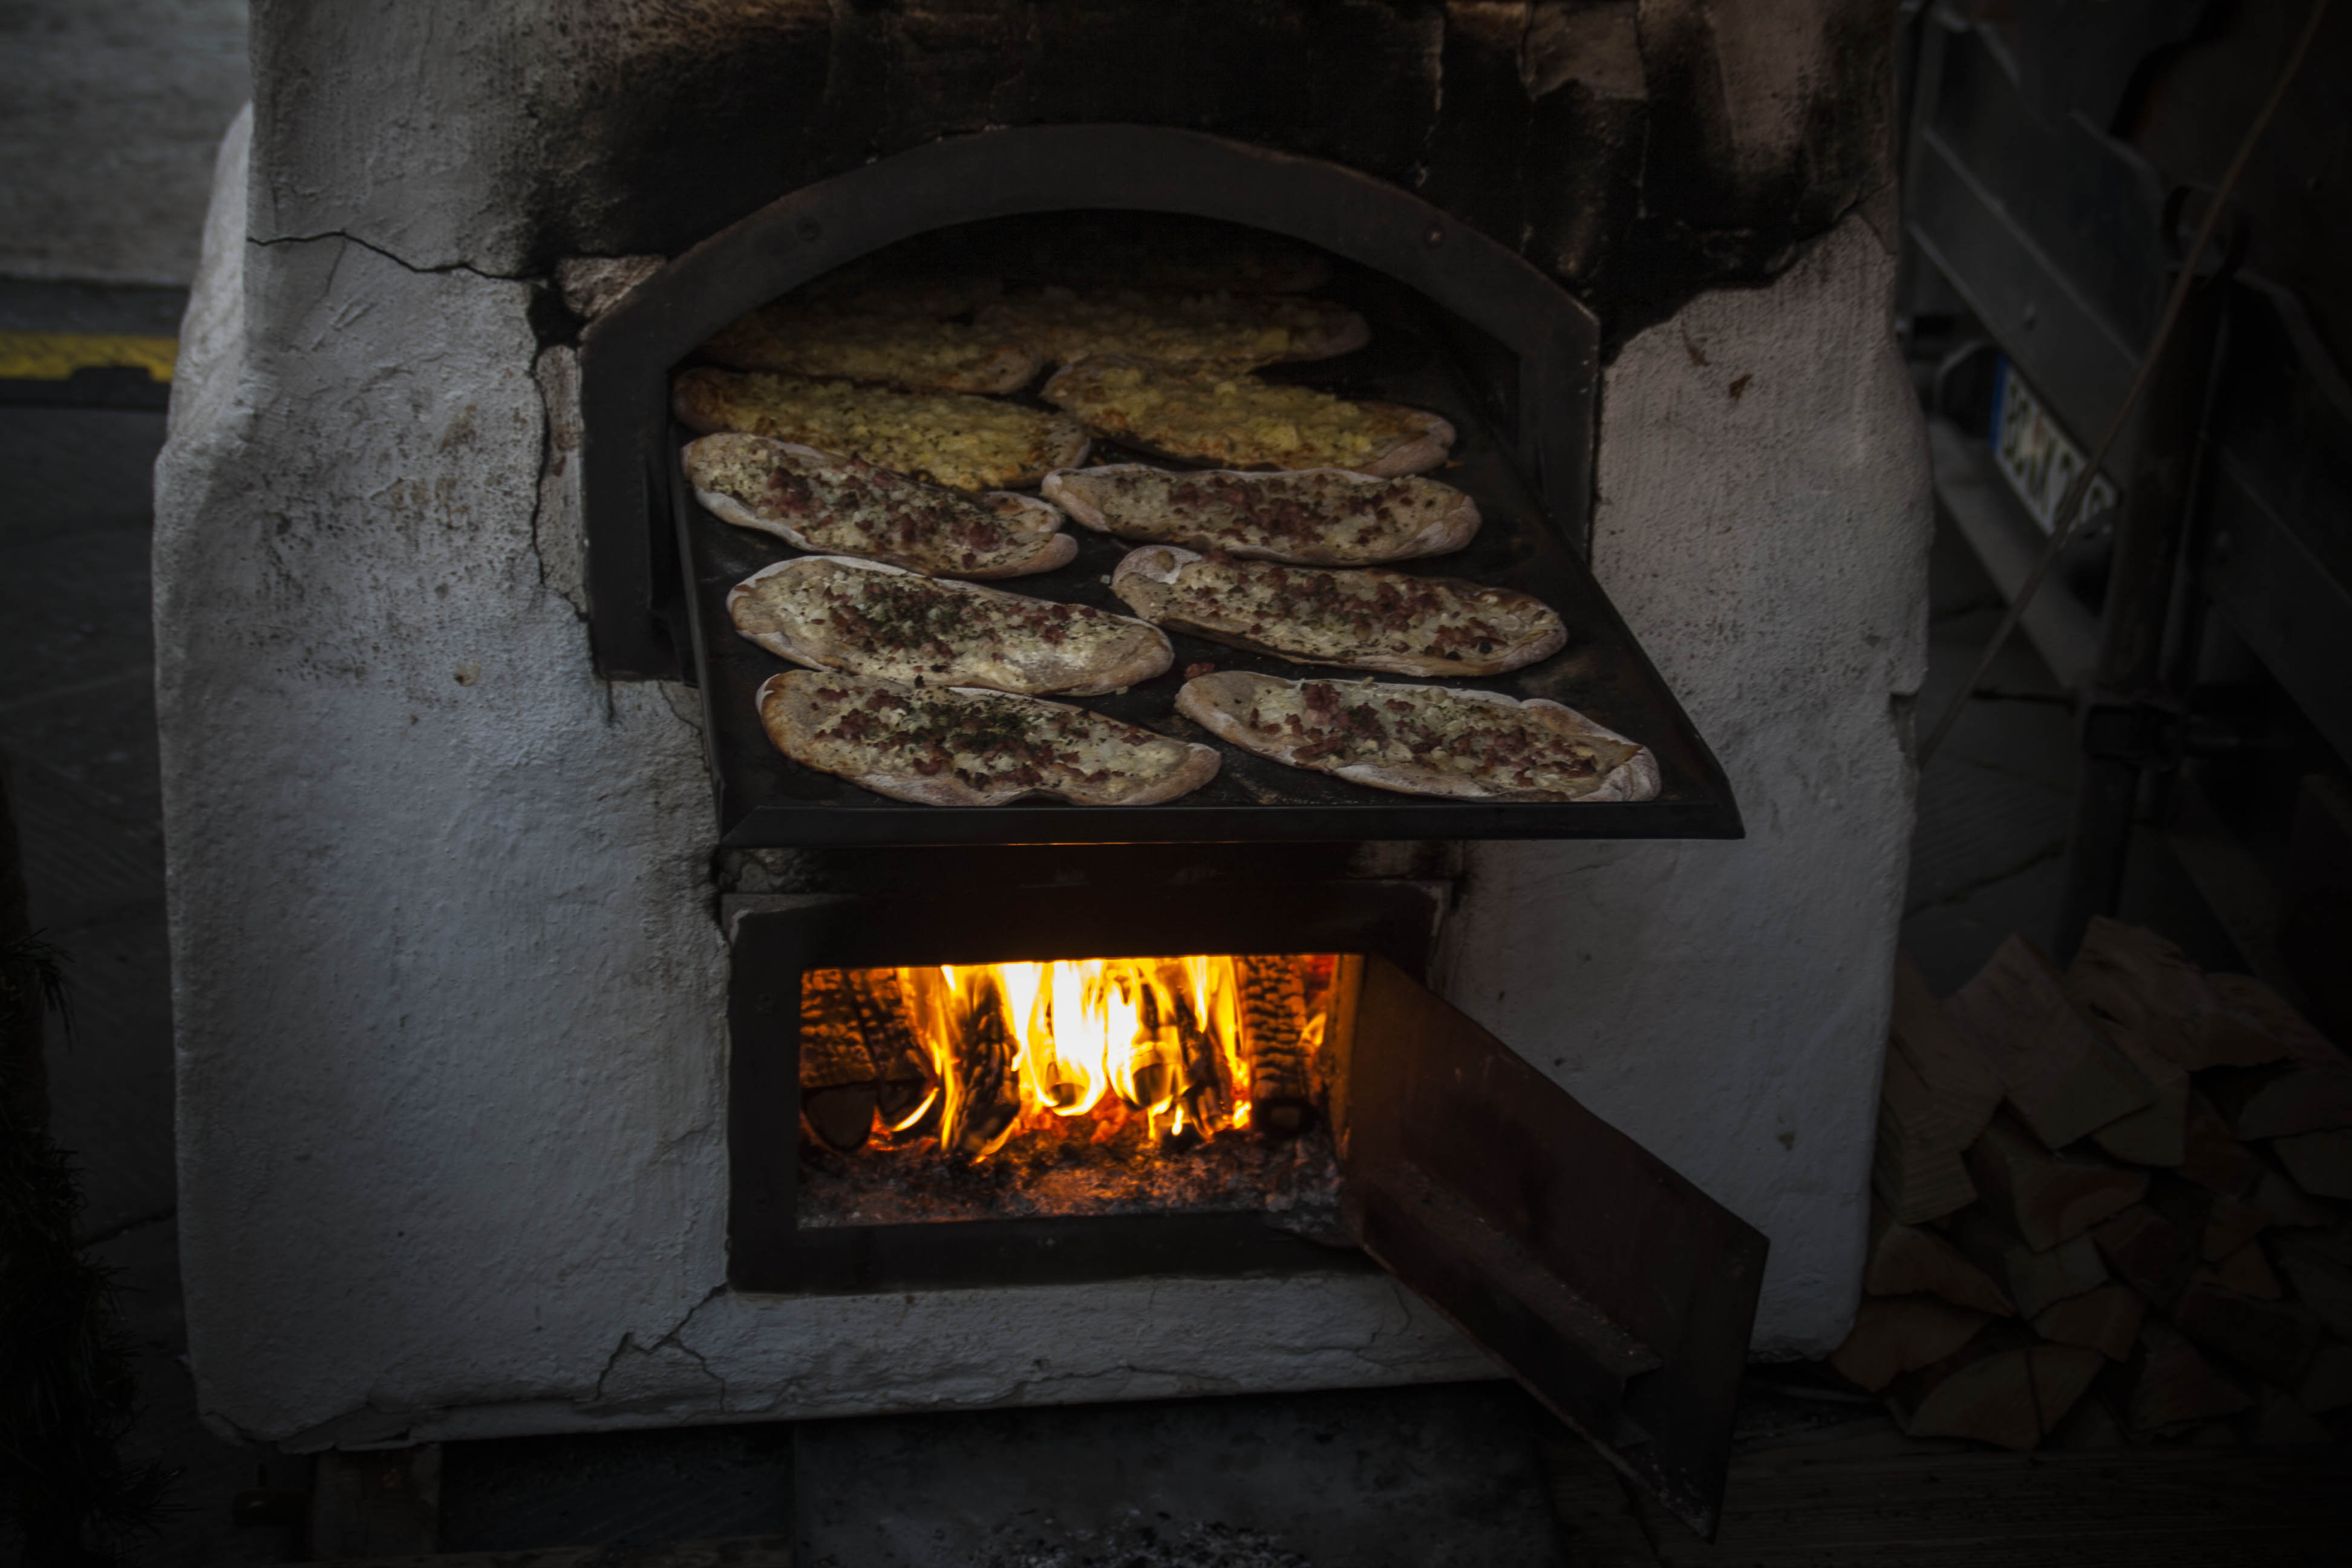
x: 626, y: 355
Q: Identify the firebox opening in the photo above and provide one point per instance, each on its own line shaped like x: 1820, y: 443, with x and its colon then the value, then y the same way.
x: 1075, y: 1087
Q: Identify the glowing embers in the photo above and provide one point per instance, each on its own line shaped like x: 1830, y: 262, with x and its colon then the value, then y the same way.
x: 1087, y: 1086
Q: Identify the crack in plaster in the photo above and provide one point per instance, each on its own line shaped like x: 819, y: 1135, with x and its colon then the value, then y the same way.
x: 440, y: 268
x: 554, y: 373
x: 671, y: 1339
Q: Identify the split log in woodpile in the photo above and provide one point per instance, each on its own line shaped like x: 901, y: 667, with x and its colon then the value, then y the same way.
x: 2107, y: 1319
x: 2047, y: 1198
x: 2059, y: 1072
x: 1905, y: 1260
x: 2133, y: 1166
x: 2004, y: 1387
x: 2033, y: 1279
x: 1937, y: 1096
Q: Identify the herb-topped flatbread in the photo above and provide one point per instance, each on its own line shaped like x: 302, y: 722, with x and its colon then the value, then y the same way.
x: 832, y: 505
x: 959, y: 746
x: 1423, y: 739
x: 1232, y: 331
x: 1386, y: 621
x: 834, y: 612
x: 1318, y: 517
x: 906, y: 351
x: 969, y: 443
x: 1238, y: 421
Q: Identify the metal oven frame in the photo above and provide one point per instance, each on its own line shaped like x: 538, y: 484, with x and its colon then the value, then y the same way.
x: 1520, y: 374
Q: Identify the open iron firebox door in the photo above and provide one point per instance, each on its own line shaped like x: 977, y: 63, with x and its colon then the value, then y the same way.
x: 1612, y: 1287
x: 1607, y: 1284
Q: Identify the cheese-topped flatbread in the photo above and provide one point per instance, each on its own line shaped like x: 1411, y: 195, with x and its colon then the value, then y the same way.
x: 969, y: 443
x: 1366, y: 620
x: 832, y: 505
x: 831, y: 611
x: 1232, y: 331
x: 902, y: 350
x: 960, y: 746
x: 1423, y: 739
x: 1317, y: 516
x: 1238, y: 421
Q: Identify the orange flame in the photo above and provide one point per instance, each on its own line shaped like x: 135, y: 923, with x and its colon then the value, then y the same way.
x: 1165, y: 1041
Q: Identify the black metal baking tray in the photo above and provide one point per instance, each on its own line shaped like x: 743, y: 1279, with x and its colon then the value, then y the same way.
x: 765, y: 800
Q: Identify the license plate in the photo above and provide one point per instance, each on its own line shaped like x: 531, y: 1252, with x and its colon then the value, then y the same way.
x: 2037, y: 458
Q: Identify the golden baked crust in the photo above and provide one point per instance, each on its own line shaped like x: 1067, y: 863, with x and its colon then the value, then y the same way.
x: 1241, y: 422
x: 1223, y: 330
x: 902, y: 349
x: 1386, y: 621
x: 832, y: 505
x: 951, y: 438
x: 1423, y: 739
x: 1313, y: 517
x: 957, y: 746
x: 831, y: 611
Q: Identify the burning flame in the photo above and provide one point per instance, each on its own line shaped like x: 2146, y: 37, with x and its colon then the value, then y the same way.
x: 1171, y: 1042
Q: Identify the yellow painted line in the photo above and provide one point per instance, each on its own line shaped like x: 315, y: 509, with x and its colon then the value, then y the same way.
x: 54, y: 357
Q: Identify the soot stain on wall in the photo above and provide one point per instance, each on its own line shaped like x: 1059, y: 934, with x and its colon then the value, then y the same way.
x: 1640, y: 151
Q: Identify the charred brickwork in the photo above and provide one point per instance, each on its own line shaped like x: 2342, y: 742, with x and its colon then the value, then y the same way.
x: 1639, y: 150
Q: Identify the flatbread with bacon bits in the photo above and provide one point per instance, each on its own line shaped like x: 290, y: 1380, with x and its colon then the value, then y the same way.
x: 908, y: 351
x: 832, y: 505
x: 935, y: 745
x: 831, y: 611
x: 1386, y: 621
x: 968, y: 443
x: 1237, y: 421
x: 1317, y: 517
x: 1423, y: 739
x: 1231, y: 331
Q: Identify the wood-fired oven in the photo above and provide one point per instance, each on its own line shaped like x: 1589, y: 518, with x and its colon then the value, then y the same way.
x: 556, y: 1052
x: 1047, y: 1066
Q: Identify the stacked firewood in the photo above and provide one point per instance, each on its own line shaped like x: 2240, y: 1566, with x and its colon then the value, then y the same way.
x: 2111, y: 1206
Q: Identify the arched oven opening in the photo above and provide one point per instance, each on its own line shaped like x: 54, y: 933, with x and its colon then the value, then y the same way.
x: 1460, y: 326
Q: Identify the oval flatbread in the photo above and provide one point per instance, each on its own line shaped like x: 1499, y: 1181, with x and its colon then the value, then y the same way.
x: 1241, y: 422
x: 936, y: 745
x: 1232, y: 331
x: 832, y: 505
x: 968, y: 443
x: 831, y: 611
x: 1366, y: 620
x: 1423, y: 739
x: 906, y: 351
x: 1317, y: 517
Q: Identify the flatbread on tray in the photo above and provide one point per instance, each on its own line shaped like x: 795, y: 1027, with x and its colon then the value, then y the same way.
x: 933, y: 745
x: 833, y: 611
x: 1239, y: 421
x: 832, y: 505
x: 1423, y: 739
x: 1313, y: 517
x: 1386, y: 621
x: 951, y: 438
x: 1231, y: 331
